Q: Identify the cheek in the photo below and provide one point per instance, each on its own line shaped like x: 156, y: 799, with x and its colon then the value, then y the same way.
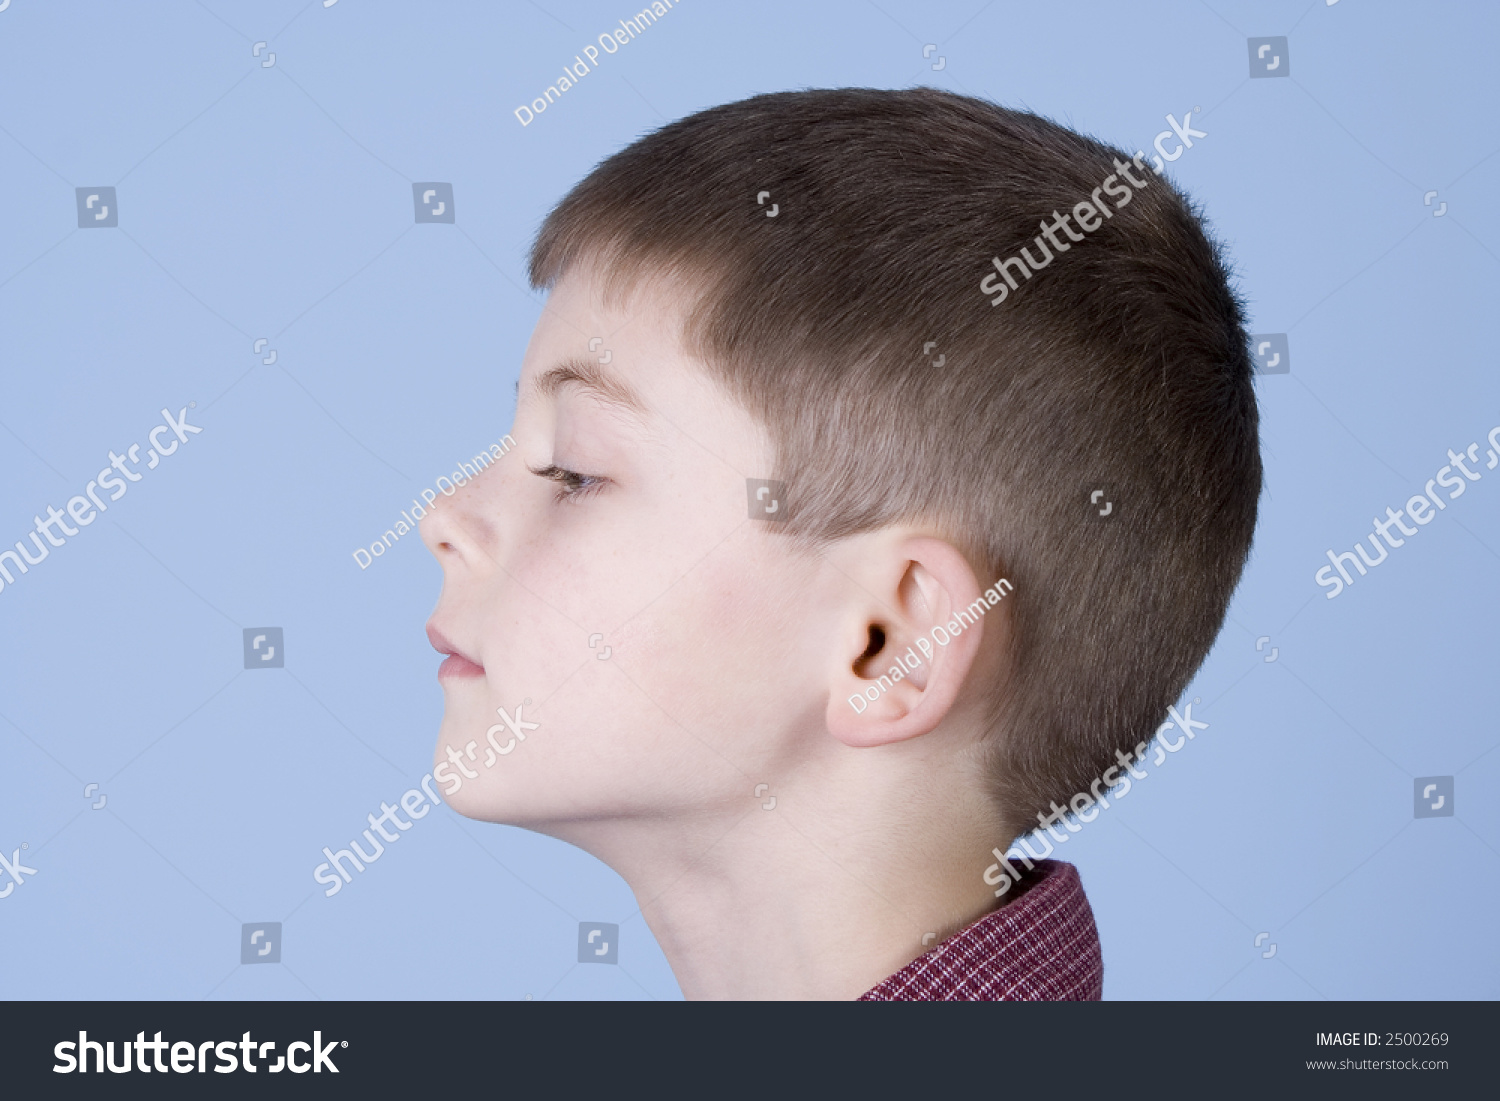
x: 693, y: 621
x: 712, y: 640
x: 731, y: 607
x: 675, y: 711
x: 559, y: 605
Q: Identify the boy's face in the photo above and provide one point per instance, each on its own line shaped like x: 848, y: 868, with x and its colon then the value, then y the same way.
x: 718, y: 637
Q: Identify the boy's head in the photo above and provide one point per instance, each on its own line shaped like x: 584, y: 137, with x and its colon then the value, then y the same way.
x: 831, y: 336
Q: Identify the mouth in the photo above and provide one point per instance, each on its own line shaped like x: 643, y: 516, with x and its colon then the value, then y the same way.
x: 456, y: 664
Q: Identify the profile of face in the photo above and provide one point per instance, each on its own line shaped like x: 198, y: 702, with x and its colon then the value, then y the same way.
x: 622, y: 513
x: 640, y: 668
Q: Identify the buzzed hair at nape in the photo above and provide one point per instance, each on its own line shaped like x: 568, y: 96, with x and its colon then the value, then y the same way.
x: 852, y: 325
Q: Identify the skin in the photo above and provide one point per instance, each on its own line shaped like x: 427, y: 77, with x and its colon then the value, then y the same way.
x: 732, y: 658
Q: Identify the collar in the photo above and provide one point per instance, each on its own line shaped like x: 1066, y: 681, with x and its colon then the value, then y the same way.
x: 1041, y: 946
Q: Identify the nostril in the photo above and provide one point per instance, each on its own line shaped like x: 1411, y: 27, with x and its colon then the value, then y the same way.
x: 876, y: 644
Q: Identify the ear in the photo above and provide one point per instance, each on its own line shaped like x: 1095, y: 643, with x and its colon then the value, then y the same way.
x: 894, y: 678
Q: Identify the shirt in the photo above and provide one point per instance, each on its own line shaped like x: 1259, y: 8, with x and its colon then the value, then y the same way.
x: 1041, y: 946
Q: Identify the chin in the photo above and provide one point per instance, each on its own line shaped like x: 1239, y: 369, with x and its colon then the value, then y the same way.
x: 481, y: 803
x: 502, y: 800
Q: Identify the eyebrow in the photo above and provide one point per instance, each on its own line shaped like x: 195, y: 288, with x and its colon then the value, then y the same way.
x: 580, y: 372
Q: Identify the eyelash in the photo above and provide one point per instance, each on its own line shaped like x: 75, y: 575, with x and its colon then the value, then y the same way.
x: 572, y: 485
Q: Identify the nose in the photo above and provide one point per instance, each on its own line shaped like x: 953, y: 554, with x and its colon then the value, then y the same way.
x: 457, y: 528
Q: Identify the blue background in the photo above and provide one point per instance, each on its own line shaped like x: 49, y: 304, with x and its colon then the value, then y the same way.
x: 276, y: 202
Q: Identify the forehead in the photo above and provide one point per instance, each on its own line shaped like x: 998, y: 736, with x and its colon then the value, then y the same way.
x: 627, y: 355
x: 630, y: 359
x: 605, y: 347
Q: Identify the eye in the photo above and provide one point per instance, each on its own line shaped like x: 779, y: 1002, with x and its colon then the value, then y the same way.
x: 572, y: 486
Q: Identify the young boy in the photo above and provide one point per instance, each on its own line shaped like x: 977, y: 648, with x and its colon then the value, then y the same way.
x: 845, y: 538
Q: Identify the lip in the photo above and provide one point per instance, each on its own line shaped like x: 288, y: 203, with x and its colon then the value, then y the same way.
x: 456, y: 664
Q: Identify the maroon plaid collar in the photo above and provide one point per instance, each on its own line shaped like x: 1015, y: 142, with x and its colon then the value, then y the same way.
x: 1041, y: 946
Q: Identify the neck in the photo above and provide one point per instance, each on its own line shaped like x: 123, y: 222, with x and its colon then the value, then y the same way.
x: 822, y: 896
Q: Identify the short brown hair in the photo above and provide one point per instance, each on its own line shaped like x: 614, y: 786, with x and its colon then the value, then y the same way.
x: 1124, y: 366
